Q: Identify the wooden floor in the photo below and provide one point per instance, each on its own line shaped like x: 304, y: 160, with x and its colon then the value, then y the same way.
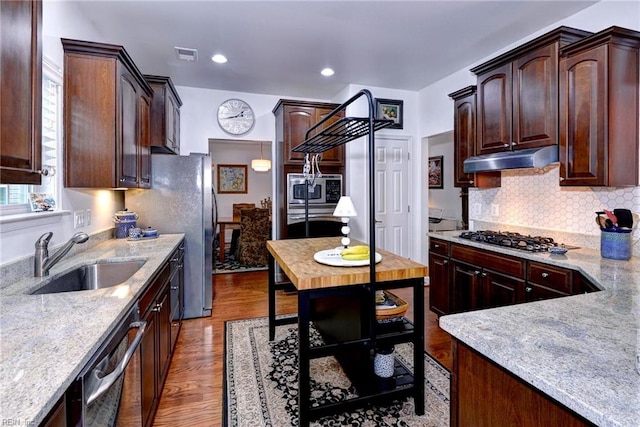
x: 192, y: 394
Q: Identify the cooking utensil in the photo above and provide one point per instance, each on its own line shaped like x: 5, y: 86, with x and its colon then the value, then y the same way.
x: 612, y: 217
x: 601, y: 221
x: 624, y: 216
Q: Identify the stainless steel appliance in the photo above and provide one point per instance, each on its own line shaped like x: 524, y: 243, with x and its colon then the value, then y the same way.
x: 107, y: 393
x: 323, y: 195
x: 514, y: 240
x: 180, y: 201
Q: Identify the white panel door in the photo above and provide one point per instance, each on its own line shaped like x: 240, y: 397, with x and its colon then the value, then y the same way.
x: 392, y: 195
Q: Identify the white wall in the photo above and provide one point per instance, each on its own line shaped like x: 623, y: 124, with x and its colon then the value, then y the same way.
x: 436, y: 114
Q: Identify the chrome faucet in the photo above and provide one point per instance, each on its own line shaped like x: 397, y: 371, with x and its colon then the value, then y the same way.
x: 42, y: 263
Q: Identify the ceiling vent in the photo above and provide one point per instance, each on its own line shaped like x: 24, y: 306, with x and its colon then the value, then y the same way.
x: 186, y: 54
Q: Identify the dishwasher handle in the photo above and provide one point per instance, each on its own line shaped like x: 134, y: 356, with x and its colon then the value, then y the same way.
x: 99, y: 385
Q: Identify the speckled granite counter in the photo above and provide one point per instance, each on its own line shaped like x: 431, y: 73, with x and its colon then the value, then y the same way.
x: 580, y: 350
x: 45, y: 340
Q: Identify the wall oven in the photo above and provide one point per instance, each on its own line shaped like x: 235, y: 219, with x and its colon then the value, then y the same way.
x: 324, y: 193
x: 107, y: 393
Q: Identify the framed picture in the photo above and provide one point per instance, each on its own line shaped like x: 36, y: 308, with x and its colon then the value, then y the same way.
x: 435, y: 172
x: 232, y: 179
x: 390, y: 109
x: 40, y: 202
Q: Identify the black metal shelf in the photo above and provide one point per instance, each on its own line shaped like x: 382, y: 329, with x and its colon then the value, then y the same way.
x: 340, y: 132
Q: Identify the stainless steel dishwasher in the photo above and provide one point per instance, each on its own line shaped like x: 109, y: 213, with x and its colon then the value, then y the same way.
x: 107, y: 393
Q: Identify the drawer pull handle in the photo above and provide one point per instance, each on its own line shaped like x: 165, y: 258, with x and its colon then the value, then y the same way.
x: 435, y: 245
x: 484, y: 274
x: 528, y: 289
x: 476, y: 272
x: 545, y: 275
x: 446, y: 261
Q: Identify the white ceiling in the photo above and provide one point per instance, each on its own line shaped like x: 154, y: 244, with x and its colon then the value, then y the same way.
x: 279, y: 47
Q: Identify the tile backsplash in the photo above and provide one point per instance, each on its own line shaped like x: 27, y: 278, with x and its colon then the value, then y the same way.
x: 533, y: 199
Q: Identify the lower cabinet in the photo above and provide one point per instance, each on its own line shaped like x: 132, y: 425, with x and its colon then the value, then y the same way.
x: 464, y: 278
x: 157, y: 309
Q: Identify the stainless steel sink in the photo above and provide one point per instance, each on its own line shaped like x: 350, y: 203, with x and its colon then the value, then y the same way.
x: 91, y: 277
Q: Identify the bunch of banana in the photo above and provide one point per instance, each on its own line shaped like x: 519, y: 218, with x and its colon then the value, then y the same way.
x: 355, y: 253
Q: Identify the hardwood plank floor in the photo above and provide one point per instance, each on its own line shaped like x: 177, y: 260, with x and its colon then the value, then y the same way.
x: 192, y: 394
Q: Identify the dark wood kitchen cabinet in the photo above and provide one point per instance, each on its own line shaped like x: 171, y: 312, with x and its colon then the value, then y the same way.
x: 165, y: 115
x: 464, y: 141
x: 545, y: 281
x: 107, y: 107
x: 21, y: 88
x: 439, y: 276
x: 599, y: 110
x: 518, y: 94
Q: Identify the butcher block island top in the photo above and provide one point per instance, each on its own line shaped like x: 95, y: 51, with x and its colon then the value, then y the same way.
x: 295, y: 257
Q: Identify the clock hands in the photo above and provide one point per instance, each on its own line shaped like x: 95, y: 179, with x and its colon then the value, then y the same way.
x: 240, y: 114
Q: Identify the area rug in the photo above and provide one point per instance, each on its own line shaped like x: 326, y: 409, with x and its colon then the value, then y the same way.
x: 230, y: 265
x: 261, y: 382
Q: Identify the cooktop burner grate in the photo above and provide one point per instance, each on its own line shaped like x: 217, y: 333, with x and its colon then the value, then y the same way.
x: 511, y: 240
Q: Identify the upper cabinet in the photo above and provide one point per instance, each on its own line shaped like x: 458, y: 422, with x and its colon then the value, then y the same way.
x: 165, y: 115
x: 599, y: 110
x: 464, y: 141
x: 518, y: 94
x: 293, y: 119
x: 21, y: 89
x: 107, y: 107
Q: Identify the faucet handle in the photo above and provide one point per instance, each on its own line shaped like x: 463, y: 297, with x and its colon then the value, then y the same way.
x: 43, y: 241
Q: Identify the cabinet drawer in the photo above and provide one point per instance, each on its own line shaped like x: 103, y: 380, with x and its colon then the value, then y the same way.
x: 497, y: 262
x: 550, y: 276
x: 440, y: 247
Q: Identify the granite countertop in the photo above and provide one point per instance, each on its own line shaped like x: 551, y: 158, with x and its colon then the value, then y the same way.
x: 581, y: 350
x: 46, y: 340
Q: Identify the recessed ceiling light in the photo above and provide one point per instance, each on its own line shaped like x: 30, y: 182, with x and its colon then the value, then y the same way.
x: 327, y: 72
x: 218, y: 58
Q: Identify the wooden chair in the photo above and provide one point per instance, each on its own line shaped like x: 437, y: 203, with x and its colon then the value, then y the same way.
x: 255, y: 229
x: 235, y: 233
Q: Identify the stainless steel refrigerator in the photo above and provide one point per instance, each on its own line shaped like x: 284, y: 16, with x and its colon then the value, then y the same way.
x: 180, y: 201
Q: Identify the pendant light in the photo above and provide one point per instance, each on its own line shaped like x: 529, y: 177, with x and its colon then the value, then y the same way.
x: 261, y: 165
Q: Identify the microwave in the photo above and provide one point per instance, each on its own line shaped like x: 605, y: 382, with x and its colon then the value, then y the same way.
x: 324, y: 190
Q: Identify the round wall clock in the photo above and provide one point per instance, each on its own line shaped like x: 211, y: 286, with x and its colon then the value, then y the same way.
x: 235, y: 117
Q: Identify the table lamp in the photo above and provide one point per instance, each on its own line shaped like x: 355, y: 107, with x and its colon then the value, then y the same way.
x: 345, y: 210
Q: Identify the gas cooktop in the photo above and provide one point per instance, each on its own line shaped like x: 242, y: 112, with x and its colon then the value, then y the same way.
x: 511, y: 240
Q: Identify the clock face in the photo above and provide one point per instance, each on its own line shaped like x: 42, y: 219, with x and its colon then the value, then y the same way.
x: 235, y: 117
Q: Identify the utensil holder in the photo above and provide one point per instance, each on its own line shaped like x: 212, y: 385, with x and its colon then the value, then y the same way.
x: 383, y: 362
x: 615, y: 244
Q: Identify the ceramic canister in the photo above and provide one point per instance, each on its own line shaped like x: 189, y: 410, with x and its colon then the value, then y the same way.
x: 124, y: 220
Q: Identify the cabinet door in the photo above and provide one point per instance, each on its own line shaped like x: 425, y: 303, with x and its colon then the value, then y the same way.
x: 21, y: 88
x: 128, y: 145
x: 499, y: 290
x: 466, y: 287
x: 494, y: 111
x: 172, y: 122
x: 464, y: 138
x: 439, y: 284
x: 297, y: 120
x: 335, y: 156
x: 144, y: 142
x: 535, y: 99
x: 149, y: 368
x: 164, y: 337
x: 583, y: 157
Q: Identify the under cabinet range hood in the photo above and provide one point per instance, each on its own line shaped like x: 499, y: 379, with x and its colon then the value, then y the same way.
x: 518, y: 159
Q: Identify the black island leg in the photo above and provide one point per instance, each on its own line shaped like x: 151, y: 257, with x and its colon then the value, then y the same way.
x: 272, y: 297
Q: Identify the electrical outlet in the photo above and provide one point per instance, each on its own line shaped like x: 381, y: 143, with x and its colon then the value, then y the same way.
x: 78, y: 219
x: 87, y: 217
x: 495, y: 209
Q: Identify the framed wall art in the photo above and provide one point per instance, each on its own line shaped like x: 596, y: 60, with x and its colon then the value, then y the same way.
x: 435, y: 172
x: 390, y: 109
x: 232, y: 179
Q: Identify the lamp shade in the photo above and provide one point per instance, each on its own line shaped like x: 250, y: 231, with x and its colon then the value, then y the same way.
x: 345, y: 207
x: 260, y: 165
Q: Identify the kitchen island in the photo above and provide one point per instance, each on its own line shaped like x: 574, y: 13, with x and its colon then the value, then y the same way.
x: 580, y: 351
x: 46, y: 340
x: 341, y: 304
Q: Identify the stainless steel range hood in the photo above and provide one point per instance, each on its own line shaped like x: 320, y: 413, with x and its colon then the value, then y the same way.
x: 518, y: 159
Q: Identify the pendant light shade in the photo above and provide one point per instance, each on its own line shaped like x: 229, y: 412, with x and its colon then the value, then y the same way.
x: 261, y: 165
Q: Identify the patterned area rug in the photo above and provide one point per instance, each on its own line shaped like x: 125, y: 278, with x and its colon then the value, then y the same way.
x: 230, y: 265
x: 261, y: 383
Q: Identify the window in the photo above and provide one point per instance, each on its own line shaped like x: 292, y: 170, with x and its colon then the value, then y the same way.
x: 14, y: 199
